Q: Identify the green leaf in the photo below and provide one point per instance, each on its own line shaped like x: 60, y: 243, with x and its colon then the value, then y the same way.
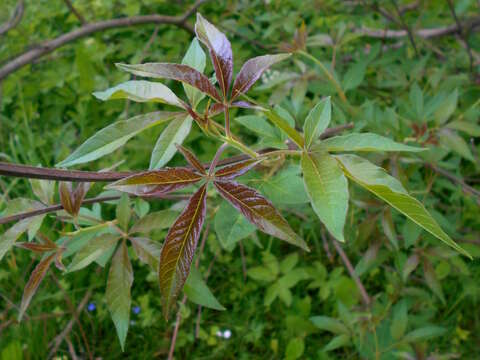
x: 452, y: 141
x: 92, y: 251
x: 165, y: 149
x: 283, y: 125
x: 337, y: 342
x: 317, y: 121
x: 43, y: 190
x: 118, y: 297
x: 466, y: 127
x: 446, y: 107
x: 424, y: 333
x: 12, y: 234
x: 195, y: 58
x: 354, y: 76
x: 364, y: 142
x: 286, y: 187
x: 148, y: 251
x: 198, y: 292
x: 154, y: 221
x: 261, y: 273
x: 327, y: 188
x: 399, y: 320
x: 124, y: 212
x: 389, y: 189
x: 114, y: 136
x: 259, y: 126
x: 231, y: 226
x: 330, y: 324
x: 141, y: 91
x: 295, y: 349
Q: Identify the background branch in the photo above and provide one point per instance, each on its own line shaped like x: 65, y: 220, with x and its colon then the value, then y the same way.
x: 48, y: 46
x: 15, y: 19
x: 75, y: 12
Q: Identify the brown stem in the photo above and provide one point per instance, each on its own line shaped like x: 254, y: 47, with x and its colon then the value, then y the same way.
x: 50, y: 45
x: 456, y: 180
x: 365, y: 298
x: 75, y: 12
x: 15, y: 19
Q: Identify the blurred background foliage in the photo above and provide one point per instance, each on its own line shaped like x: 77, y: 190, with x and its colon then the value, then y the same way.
x: 280, y: 303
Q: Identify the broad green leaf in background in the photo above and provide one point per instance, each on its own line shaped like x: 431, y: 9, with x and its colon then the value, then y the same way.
x: 118, y: 297
x: 354, y: 76
x: 364, y: 142
x: 327, y: 188
x: 231, y: 226
x: 123, y: 212
x: 467, y: 127
x: 140, y: 91
x: 114, y: 136
x: 317, y: 121
x: 389, y: 189
x: 424, y: 333
x: 295, y: 349
x: 33, y: 282
x: 399, y: 320
x: 198, y: 292
x: 194, y: 57
x: 337, y: 342
x: 165, y: 149
x: 446, y: 107
x: 154, y: 221
x: 454, y: 142
x: 93, y: 250
x: 330, y: 324
x: 285, y: 187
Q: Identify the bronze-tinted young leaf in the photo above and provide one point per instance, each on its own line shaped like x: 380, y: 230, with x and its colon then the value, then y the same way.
x: 252, y: 70
x: 220, y: 51
x: 232, y: 171
x: 32, y: 285
x: 36, y: 247
x: 179, y: 248
x: 156, y: 182
x: 179, y: 72
x: 117, y: 295
x: 259, y: 211
x: 65, y: 191
x: 192, y: 159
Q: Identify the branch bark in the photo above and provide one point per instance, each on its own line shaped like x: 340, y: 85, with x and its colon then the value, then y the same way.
x: 75, y: 12
x: 15, y: 19
x: 48, y: 46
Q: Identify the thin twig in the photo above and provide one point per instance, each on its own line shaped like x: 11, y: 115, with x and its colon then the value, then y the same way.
x: 175, y: 331
x: 405, y: 27
x: 461, y: 33
x: 15, y: 19
x: 75, y: 12
x: 365, y: 297
x: 48, y: 46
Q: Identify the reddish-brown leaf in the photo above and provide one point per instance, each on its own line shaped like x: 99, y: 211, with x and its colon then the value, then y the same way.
x: 156, y: 182
x: 32, y: 285
x: 179, y: 72
x: 220, y: 51
x: 65, y: 191
x: 232, y: 171
x: 39, y: 248
x: 252, y: 70
x: 179, y: 248
x: 192, y: 159
x: 259, y: 211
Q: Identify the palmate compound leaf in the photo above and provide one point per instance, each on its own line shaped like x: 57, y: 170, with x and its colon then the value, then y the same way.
x: 174, y: 133
x: 251, y: 72
x: 34, y: 281
x: 220, y: 51
x: 259, y: 211
x: 179, y: 248
x: 364, y: 142
x: 141, y: 91
x: 118, y: 297
x: 179, y: 72
x: 156, y: 182
x: 114, y: 136
x: 327, y: 188
x: 389, y: 189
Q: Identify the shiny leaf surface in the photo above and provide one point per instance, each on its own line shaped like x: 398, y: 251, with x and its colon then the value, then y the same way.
x: 192, y: 159
x: 235, y: 170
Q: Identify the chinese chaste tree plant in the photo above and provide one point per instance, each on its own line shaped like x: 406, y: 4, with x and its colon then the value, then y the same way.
x: 326, y: 162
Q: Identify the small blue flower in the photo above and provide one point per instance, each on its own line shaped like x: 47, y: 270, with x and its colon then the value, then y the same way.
x: 136, y: 310
x: 91, y: 307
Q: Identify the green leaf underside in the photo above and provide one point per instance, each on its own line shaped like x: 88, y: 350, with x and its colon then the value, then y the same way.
x: 365, y: 142
x: 33, y: 282
x: 140, y: 91
x: 194, y: 57
x: 92, y: 251
x: 175, y: 133
x: 154, y: 221
x: 317, y: 121
x: 156, y: 182
x: 179, y: 248
x: 118, y: 297
x: 259, y: 211
x: 327, y: 188
x: 389, y: 189
x: 198, y: 292
x: 114, y: 136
